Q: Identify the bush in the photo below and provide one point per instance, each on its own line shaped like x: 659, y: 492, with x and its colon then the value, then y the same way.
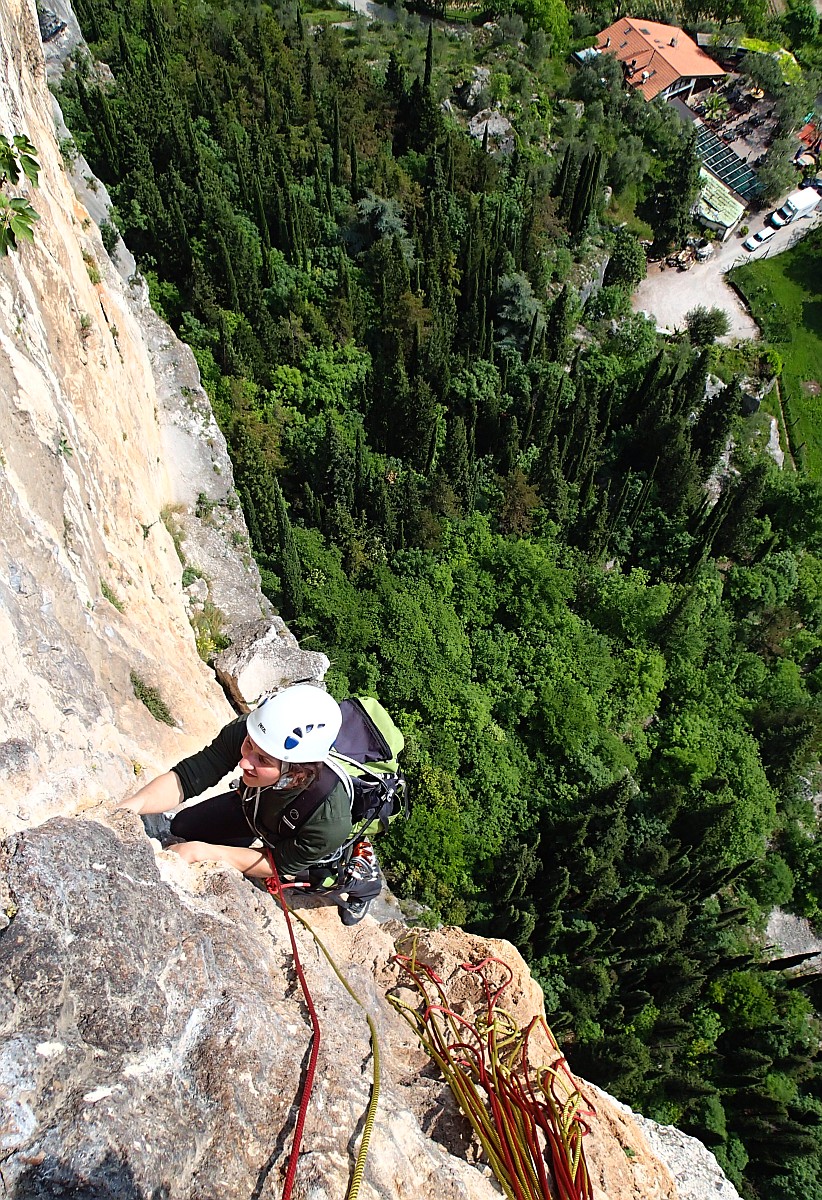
x: 152, y: 700
x: 705, y: 325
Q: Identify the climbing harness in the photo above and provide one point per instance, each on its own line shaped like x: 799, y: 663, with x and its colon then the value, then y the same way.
x: 276, y: 888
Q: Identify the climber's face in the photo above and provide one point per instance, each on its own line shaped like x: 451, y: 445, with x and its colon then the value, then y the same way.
x: 259, y: 769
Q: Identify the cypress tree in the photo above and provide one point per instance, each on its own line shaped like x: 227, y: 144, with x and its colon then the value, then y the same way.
x: 569, y: 186
x: 126, y: 60
x: 355, y: 169
x: 229, y: 89
x: 510, y: 446
x: 251, y: 521
x: 713, y: 425
x: 395, y: 83
x: 291, y: 577
x: 229, y: 279
x: 110, y: 128
x: 736, y: 533
x: 336, y: 146
x: 561, y: 178
x: 308, y: 77
x: 557, y: 327
x: 456, y: 461
x: 241, y: 176
x: 429, y: 58
x: 155, y: 28
x: 431, y: 454
x: 259, y: 212
x: 359, y: 469
x: 532, y: 337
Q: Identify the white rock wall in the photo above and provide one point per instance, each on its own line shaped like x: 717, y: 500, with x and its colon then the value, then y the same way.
x: 84, y: 477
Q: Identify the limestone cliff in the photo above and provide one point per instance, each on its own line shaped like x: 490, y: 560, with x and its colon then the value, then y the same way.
x: 152, y: 1034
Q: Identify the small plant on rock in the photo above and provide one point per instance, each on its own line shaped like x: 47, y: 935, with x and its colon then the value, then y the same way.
x: 152, y: 700
x: 17, y: 217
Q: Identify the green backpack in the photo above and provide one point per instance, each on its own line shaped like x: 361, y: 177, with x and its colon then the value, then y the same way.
x: 364, y: 758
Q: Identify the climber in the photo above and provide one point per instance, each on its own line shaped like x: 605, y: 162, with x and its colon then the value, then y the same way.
x: 282, y: 750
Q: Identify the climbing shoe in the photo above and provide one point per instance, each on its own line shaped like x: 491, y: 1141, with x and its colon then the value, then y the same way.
x: 361, y: 882
x: 158, y: 826
x: 354, y: 909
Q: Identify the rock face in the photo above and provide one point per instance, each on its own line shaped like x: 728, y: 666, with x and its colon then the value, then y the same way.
x: 163, y: 1056
x: 153, y: 1038
x: 263, y: 657
x: 107, y: 444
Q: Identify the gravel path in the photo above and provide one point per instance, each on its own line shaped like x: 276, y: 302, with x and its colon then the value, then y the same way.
x: 668, y: 294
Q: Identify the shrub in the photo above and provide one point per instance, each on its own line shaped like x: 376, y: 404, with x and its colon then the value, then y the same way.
x: 112, y: 597
x: 152, y: 700
x: 705, y: 325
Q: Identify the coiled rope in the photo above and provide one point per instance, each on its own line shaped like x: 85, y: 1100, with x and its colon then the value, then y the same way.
x: 276, y: 888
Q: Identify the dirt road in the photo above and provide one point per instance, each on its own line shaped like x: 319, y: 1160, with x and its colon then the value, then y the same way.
x: 667, y: 295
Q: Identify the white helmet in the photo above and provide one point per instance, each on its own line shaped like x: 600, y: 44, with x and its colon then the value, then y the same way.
x: 298, y: 725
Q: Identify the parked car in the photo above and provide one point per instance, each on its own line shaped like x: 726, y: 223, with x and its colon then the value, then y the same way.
x: 756, y: 239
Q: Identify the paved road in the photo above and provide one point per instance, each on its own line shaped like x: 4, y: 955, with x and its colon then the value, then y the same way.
x: 669, y: 294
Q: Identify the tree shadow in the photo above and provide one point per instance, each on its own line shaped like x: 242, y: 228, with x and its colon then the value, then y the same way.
x: 812, y: 317
x: 110, y: 1179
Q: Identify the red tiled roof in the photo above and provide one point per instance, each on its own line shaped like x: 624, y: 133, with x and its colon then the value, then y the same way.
x: 809, y: 134
x: 658, y: 54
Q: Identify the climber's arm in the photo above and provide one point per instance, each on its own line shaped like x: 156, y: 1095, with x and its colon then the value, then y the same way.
x: 162, y: 794
x: 251, y: 862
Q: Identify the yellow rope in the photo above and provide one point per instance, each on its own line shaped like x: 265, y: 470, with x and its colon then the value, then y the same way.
x: 371, y: 1113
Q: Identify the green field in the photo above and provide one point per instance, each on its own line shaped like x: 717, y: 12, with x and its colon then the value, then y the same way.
x: 785, y: 297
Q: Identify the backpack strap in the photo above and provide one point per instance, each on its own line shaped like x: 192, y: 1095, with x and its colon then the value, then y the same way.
x: 305, y: 803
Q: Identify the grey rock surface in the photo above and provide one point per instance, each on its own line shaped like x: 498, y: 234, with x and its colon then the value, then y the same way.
x: 153, y: 1039
x: 263, y: 657
x: 697, y: 1174
x: 500, y: 130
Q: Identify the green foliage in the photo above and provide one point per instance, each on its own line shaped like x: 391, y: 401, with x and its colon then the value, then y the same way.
x: 705, y: 325
x: 17, y: 217
x: 151, y: 698
x: 208, y: 623
x: 112, y: 597
x: 550, y: 16
x: 16, y: 157
x: 627, y: 264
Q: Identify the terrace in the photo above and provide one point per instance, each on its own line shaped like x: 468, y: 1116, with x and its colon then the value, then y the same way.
x: 735, y: 127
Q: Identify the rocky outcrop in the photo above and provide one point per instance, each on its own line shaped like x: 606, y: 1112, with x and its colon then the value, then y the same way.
x: 153, y: 1039
x: 263, y: 657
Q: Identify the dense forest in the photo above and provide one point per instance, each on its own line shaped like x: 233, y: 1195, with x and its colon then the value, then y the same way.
x: 494, y: 496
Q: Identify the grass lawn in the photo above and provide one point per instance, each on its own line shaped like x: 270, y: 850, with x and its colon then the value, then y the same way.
x: 785, y: 296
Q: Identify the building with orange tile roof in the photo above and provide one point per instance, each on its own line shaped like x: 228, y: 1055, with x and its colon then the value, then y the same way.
x: 659, y: 60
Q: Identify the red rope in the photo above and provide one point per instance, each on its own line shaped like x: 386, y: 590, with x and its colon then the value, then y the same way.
x: 275, y: 887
